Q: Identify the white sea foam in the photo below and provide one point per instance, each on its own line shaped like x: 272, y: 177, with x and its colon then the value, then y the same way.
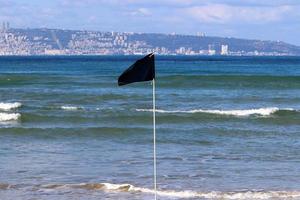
x: 240, y: 113
x: 9, y: 106
x: 4, y: 117
x: 69, y: 108
x: 181, y: 194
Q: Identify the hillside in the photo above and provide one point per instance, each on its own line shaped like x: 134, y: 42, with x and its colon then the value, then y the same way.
x: 56, y: 41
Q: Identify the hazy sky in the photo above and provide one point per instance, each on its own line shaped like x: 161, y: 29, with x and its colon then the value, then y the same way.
x: 259, y: 19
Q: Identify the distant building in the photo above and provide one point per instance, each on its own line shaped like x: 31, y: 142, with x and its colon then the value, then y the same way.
x: 181, y: 50
x: 211, y: 50
x: 224, y: 50
x: 203, y: 52
x: 5, y: 26
x: 200, y: 34
x: 54, y: 52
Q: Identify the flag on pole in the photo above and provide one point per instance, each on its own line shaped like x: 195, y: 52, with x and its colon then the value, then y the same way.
x: 141, y: 70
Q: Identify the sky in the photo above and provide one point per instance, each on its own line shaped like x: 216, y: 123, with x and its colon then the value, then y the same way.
x: 252, y: 19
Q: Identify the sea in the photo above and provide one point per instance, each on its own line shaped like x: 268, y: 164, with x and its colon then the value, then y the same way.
x: 227, y: 128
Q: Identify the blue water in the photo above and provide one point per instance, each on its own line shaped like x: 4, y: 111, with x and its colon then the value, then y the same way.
x: 227, y: 128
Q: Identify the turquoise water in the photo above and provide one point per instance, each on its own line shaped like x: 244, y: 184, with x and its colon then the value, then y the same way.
x: 227, y: 127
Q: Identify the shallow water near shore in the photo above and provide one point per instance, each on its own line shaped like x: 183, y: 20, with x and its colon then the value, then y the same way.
x: 227, y: 128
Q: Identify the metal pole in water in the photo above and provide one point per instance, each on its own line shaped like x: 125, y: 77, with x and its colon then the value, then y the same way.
x: 154, y: 141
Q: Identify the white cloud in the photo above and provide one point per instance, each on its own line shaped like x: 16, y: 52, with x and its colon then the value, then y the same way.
x: 144, y: 11
x: 181, y: 3
x: 221, y: 13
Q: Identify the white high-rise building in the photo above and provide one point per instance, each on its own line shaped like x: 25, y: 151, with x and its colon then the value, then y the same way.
x: 224, y: 50
x: 211, y: 50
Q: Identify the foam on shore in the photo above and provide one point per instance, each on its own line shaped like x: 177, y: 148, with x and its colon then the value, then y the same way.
x: 185, y: 194
x: 180, y: 194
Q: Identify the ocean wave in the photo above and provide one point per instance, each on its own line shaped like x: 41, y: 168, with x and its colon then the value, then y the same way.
x: 179, y: 194
x: 4, y: 117
x: 209, y: 80
x: 239, y: 113
x: 185, y: 194
x: 70, y: 108
x: 9, y: 106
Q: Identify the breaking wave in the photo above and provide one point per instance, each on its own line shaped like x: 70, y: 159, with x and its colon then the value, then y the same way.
x: 179, y: 194
x: 9, y: 106
x: 185, y: 194
x: 239, y: 113
x: 70, y: 108
x: 4, y: 117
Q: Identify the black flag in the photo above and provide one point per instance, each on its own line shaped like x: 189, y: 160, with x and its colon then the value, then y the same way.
x: 141, y: 70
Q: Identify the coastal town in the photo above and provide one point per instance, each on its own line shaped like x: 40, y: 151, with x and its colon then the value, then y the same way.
x: 82, y: 42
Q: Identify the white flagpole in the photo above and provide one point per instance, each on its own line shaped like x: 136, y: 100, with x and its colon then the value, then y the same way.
x: 154, y: 141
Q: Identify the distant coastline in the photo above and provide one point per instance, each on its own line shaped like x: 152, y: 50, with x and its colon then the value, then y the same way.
x: 22, y: 42
x: 158, y: 55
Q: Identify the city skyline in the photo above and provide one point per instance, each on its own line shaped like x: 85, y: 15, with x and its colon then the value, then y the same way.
x: 251, y: 19
x: 82, y: 42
